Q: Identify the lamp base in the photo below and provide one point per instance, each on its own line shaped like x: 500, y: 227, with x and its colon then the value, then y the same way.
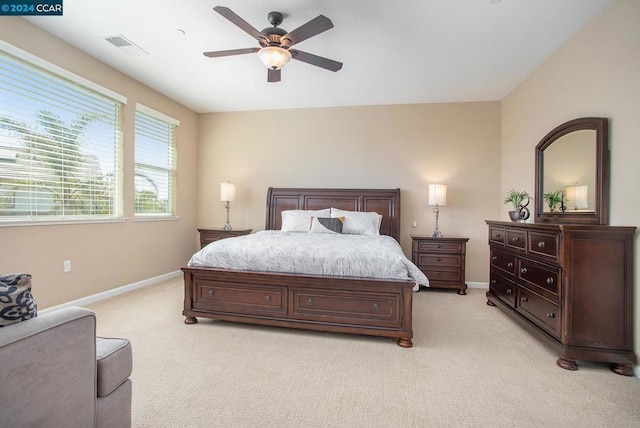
x: 227, y: 225
x: 436, y: 231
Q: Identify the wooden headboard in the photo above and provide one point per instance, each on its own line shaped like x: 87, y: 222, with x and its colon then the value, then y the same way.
x: 382, y: 201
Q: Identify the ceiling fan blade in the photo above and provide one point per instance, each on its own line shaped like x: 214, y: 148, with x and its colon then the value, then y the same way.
x: 241, y: 23
x: 273, y: 75
x: 216, y: 54
x: 316, y: 60
x: 312, y: 28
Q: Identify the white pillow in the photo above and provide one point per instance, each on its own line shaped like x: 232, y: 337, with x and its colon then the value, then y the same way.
x: 300, y: 220
x: 359, y: 223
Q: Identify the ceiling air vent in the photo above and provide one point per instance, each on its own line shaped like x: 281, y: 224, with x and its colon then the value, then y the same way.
x: 126, y: 45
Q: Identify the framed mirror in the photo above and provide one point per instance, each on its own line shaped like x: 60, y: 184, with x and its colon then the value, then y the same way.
x: 572, y: 173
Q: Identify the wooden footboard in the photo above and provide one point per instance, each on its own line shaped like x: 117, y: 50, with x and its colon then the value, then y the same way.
x: 344, y: 305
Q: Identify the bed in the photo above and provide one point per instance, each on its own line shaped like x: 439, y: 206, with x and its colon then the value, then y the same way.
x: 355, y: 305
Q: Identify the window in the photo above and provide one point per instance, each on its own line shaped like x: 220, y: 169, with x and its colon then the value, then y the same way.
x: 60, y: 143
x: 155, y: 169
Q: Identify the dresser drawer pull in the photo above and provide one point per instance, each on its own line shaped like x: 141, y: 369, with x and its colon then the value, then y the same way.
x: 310, y: 302
x: 510, y: 264
x: 267, y: 299
x: 524, y: 299
x: 498, y: 235
x: 211, y: 293
x: 515, y: 238
x: 523, y: 270
x: 376, y: 306
x: 509, y: 291
x: 551, y: 315
x: 550, y: 280
x: 493, y: 281
x: 494, y: 258
x: 541, y: 244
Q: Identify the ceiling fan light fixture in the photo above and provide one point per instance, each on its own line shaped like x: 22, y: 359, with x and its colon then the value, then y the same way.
x: 274, y: 57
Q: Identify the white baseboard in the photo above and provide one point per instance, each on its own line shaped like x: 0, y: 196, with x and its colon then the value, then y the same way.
x: 115, y: 291
x: 484, y: 285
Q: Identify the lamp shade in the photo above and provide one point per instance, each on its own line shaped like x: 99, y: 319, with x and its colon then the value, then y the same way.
x: 437, y: 194
x: 274, y: 57
x: 227, y: 192
x: 576, y: 196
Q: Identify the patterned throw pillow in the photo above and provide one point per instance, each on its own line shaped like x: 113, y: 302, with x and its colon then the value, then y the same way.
x: 16, y: 302
x: 326, y: 225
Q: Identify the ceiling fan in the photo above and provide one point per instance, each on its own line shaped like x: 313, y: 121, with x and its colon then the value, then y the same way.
x: 275, y: 43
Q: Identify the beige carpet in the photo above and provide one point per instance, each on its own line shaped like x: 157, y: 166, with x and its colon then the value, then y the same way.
x: 470, y: 367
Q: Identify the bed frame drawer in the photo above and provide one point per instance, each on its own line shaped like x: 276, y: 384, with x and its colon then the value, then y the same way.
x: 347, y: 307
x: 250, y: 299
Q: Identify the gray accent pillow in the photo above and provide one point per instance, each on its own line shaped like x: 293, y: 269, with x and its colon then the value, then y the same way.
x: 326, y: 225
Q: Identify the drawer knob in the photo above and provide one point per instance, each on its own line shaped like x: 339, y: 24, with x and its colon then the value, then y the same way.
x: 541, y: 244
x: 439, y: 246
x: 509, y: 291
x: 510, y: 264
x: 523, y: 270
x: 550, y: 280
x: 211, y: 293
x: 439, y: 274
x: 267, y: 299
x: 498, y: 235
x: 515, y: 238
x: 376, y: 306
x: 494, y: 258
x: 310, y: 302
x: 493, y: 281
x: 439, y: 259
x: 524, y: 299
x: 551, y: 315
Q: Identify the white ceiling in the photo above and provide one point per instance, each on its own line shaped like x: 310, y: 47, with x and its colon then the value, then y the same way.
x: 420, y: 51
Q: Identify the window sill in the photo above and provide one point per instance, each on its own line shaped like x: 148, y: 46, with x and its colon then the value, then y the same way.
x: 20, y: 223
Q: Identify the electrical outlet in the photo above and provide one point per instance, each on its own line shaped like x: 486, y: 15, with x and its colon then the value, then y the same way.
x: 415, y: 224
x: 67, y: 266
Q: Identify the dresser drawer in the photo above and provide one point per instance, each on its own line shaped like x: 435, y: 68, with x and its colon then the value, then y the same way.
x: 516, y: 239
x: 503, y: 261
x: 541, y: 311
x: 347, y: 308
x: 547, y: 278
x: 253, y: 299
x: 496, y: 234
x: 544, y: 244
x: 433, y: 261
x: 438, y: 247
x: 502, y: 288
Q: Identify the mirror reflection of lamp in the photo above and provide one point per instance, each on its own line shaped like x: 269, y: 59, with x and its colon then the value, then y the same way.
x: 576, y: 196
x: 437, y: 196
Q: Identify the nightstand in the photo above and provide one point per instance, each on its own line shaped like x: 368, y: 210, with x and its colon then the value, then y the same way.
x: 442, y: 260
x: 209, y: 235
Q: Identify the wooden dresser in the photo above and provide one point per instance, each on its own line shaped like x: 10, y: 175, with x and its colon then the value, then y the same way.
x: 442, y: 260
x: 570, y: 285
x: 208, y: 235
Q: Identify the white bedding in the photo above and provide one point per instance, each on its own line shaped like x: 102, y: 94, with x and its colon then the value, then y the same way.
x: 364, y: 256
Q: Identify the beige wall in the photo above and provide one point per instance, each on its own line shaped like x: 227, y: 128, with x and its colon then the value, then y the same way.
x: 108, y: 255
x: 405, y: 146
x: 594, y: 74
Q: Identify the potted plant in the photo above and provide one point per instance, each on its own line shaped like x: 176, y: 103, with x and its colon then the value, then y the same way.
x: 553, y: 199
x: 519, y: 199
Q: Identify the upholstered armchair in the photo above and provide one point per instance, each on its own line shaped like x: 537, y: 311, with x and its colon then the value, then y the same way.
x: 56, y: 373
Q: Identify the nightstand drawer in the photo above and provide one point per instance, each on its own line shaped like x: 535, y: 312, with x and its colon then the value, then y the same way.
x: 436, y: 260
x: 208, y: 236
x: 438, y: 247
x: 442, y: 275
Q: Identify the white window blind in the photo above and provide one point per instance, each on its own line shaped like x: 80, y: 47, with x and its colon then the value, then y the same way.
x: 60, y: 146
x: 155, y: 163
